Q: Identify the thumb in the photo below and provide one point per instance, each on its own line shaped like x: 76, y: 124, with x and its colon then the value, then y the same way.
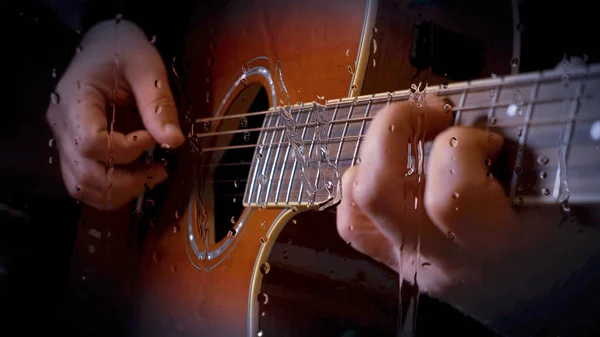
x: 148, y: 80
x: 460, y: 197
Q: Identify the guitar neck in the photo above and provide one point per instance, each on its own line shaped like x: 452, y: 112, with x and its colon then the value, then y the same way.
x: 550, y: 120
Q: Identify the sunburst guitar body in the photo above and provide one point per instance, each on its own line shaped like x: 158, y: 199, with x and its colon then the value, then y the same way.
x: 248, y: 251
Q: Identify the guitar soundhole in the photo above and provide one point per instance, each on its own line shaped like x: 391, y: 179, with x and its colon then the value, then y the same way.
x: 231, y: 171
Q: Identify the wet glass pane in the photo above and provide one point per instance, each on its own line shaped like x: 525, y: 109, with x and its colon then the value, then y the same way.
x: 299, y: 168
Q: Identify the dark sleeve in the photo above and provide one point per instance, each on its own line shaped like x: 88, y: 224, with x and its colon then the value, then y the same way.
x: 166, y: 22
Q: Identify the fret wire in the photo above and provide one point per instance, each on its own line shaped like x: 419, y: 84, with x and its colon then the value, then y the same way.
x: 275, y: 164
x: 285, y: 159
x: 335, y: 111
x: 255, y: 161
x: 568, y: 135
x: 310, y: 150
x: 344, y: 132
x: 361, y: 132
x: 492, y: 108
x: 265, y: 159
x: 293, y: 173
x: 522, y: 140
x: 463, y: 97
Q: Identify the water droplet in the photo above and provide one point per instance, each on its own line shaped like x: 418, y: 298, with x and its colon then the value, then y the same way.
x: 520, y: 201
x: 595, y: 131
x: 79, y: 49
x: 246, y: 136
x: 173, y: 268
x: 78, y: 140
x: 165, y: 146
x: 175, y: 229
x: 158, y: 110
x: 519, y: 188
x: 321, y: 97
x: 494, y: 120
x: 119, y: 17
x: 207, y: 97
x: 263, y: 224
x: 350, y: 70
x: 447, y: 108
x: 543, y: 160
x: 453, y: 142
x: 347, y: 52
x: 445, y: 85
x: 519, y: 131
x: 519, y: 170
x: 262, y: 179
x: 259, y: 154
x: 450, y: 235
x: 425, y: 265
x: 50, y: 160
x: 153, y: 39
x: 259, y: 333
x: 54, y: 98
x: 157, y: 84
x: 455, y: 195
x: 156, y: 256
x: 492, y: 91
x: 177, y: 216
x: 235, y: 183
x: 451, y: 171
x: 374, y: 63
x: 354, y: 87
x: 353, y: 204
x: 265, y: 268
x: 53, y: 72
x: 520, y: 26
x: 243, y: 122
x: 294, y: 209
x: 494, y: 75
x: 488, y: 162
x: 545, y: 191
x: 262, y: 298
x: 511, y: 111
x: 514, y: 62
x: 392, y: 127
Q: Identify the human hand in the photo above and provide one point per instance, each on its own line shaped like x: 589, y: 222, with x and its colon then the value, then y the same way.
x: 476, y: 252
x: 115, y: 63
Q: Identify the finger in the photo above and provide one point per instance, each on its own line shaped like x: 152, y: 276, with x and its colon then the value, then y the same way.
x: 88, y: 196
x: 380, y: 187
x: 364, y: 235
x: 356, y: 228
x: 91, y: 131
x: 109, y: 188
x: 460, y: 196
x: 148, y: 80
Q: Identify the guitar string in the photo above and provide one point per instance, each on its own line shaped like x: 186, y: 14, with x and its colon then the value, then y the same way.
x: 361, y: 119
x: 357, y: 137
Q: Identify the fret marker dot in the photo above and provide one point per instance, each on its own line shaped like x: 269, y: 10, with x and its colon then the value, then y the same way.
x: 512, y: 110
x: 595, y: 131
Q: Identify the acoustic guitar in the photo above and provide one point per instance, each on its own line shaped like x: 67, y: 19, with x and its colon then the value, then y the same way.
x: 254, y: 251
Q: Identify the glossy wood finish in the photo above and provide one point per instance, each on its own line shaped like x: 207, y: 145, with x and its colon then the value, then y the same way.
x: 311, y: 39
x: 317, y: 45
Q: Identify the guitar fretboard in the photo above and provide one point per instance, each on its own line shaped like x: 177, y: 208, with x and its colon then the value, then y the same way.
x: 533, y: 111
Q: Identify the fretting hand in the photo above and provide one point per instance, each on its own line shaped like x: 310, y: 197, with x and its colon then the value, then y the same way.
x: 476, y: 252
